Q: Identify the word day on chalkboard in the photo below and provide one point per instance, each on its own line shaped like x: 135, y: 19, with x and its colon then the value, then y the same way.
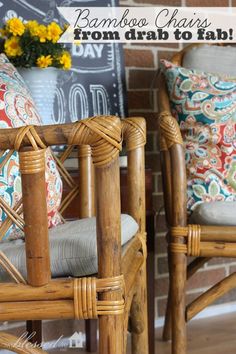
x: 95, y: 85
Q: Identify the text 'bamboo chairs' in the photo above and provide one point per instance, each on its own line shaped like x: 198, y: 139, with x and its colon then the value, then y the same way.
x: 185, y: 239
x: 118, y: 291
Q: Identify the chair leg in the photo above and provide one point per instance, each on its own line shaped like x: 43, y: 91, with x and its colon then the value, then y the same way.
x: 91, y: 335
x: 178, y: 281
x: 111, y: 334
x: 138, y: 316
x: 166, y: 335
x: 34, y: 328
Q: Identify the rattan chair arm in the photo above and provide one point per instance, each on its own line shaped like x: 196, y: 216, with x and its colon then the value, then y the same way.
x: 103, y: 133
x: 134, y: 132
x: 169, y: 131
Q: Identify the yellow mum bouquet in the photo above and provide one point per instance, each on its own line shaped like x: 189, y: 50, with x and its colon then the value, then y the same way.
x: 33, y: 44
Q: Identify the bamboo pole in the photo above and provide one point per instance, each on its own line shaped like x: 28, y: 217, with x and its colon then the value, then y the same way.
x: 36, y: 225
x: 36, y: 219
x: 218, y: 233
x: 178, y: 260
x: 210, y: 296
x: 217, y: 249
x: 87, y: 209
x: 196, y: 264
x: 86, y: 182
x: 109, y: 251
x: 137, y: 208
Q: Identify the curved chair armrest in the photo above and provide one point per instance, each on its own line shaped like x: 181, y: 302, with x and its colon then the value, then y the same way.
x: 102, y: 133
x: 134, y: 134
x: 171, y: 146
x: 169, y: 131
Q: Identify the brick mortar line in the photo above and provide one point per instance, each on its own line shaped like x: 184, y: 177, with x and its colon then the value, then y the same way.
x: 214, y: 266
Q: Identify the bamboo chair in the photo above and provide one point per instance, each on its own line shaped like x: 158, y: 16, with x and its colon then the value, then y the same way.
x: 185, y: 240
x: 119, y: 290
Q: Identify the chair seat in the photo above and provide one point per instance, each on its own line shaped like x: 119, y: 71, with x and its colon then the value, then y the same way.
x: 215, y: 213
x: 73, y: 248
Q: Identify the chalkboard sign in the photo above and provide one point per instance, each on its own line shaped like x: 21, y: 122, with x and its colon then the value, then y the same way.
x: 95, y: 84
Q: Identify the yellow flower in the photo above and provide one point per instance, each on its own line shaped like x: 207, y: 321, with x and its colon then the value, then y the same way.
x: 42, y: 33
x: 44, y: 61
x: 54, y: 32
x: 32, y: 26
x: 37, y: 30
x: 12, y: 47
x: 65, y: 61
x: 15, y: 26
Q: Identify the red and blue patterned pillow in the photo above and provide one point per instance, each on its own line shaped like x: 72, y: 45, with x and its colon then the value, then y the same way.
x: 17, y: 109
x: 205, y: 106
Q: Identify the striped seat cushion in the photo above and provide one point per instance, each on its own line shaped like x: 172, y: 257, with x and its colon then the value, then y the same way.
x: 215, y: 213
x: 73, y: 249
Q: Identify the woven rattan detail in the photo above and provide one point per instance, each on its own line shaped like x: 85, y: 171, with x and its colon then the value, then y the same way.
x: 33, y: 137
x: 194, y: 238
x: 178, y: 248
x: 134, y: 132
x: 86, y: 304
x: 84, y: 151
x: 170, y: 129
x: 179, y: 231
x: 13, y: 214
x: 85, y: 298
x: 102, y: 133
x: 193, y: 235
x: 32, y: 162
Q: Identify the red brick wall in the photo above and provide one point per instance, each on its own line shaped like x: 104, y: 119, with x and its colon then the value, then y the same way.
x: 141, y: 65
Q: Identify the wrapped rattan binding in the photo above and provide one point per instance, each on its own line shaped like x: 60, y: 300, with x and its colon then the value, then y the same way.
x: 169, y: 129
x: 86, y: 304
x: 29, y: 131
x: 32, y: 162
x: 192, y: 233
x: 102, y: 134
x: 134, y: 132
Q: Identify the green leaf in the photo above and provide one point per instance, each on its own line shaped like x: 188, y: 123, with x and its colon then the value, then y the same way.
x: 198, y: 96
x: 186, y: 85
x: 214, y: 189
x: 199, y: 190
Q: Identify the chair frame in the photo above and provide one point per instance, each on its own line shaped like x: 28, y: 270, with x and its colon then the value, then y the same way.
x: 119, y: 290
x: 200, y: 241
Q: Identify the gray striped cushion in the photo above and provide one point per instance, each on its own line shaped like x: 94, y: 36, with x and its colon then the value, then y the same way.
x: 211, y: 59
x: 73, y: 248
x: 214, y: 213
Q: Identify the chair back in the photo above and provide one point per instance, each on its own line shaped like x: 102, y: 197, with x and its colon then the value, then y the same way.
x: 200, y: 101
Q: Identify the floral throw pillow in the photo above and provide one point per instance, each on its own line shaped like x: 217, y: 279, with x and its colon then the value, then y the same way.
x: 17, y: 109
x: 205, y: 106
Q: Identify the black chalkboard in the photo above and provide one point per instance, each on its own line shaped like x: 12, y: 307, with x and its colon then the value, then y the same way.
x: 96, y: 83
